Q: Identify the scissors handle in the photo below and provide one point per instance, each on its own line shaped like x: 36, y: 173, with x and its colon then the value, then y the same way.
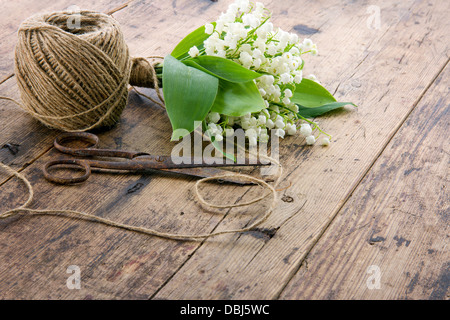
x: 70, y: 163
x: 92, y: 148
x: 90, y: 138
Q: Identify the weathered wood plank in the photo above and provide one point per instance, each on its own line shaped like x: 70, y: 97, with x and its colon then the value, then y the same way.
x: 386, y: 87
x: 128, y: 265
x: 397, y: 219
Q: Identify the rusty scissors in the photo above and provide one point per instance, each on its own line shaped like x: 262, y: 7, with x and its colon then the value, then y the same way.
x: 131, y: 161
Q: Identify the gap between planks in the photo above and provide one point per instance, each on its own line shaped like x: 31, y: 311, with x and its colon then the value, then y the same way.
x: 7, y: 78
x: 350, y: 193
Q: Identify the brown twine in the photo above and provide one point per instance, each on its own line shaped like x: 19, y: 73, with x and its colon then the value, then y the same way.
x: 143, y: 74
x: 152, y: 232
x: 76, y: 78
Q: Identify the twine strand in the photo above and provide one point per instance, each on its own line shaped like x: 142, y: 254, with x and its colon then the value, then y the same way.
x: 143, y: 69
x: 148, y: 231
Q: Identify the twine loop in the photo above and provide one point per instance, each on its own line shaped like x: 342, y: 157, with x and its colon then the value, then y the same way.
x: 151, y: 232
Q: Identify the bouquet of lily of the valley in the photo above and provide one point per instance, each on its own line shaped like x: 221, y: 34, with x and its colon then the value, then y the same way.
x: 242, y: 72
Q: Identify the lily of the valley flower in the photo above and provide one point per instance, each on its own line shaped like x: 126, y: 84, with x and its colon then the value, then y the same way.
x: 245, y: 35
x: 193, y: 52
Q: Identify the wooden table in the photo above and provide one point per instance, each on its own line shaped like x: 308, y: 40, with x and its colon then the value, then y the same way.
x: 365, y: 218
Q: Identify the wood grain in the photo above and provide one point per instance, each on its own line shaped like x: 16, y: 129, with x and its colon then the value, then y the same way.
x: 323, y: 178
x: 118, y: 264
x: 397, y: 219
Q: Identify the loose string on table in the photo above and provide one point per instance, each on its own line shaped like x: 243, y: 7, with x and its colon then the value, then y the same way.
x: 152, y: 232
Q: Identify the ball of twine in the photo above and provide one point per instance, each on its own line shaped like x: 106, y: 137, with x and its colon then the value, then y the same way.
x: 74, y: 76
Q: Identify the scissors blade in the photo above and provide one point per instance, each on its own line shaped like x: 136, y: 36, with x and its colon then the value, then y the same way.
x: 200, y: 168
x: 210, y: 172
x: 199, y: 172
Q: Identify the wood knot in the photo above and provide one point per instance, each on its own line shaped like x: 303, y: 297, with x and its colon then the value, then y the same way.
x: 286, y: 198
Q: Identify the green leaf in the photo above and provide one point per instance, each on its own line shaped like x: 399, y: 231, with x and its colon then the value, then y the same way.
x: 222, y: 68
x: 310, y: 94
x: 195, y: 38
x: 314, y: 100
x: 318, y: 111
x: 188, y: 93
x: 237, y: 99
